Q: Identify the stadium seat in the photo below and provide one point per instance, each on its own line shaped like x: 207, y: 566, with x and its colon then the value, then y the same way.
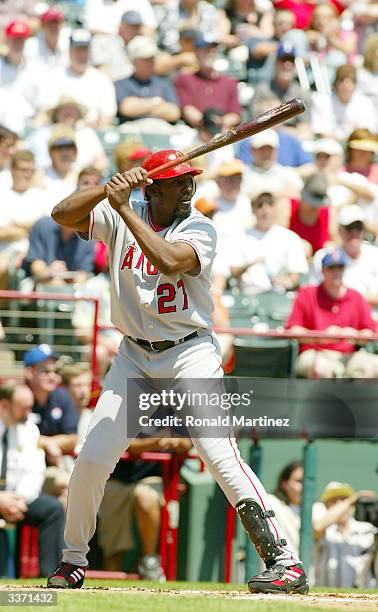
x: 274, y: 306
x: 239, y: 305
x: 260, y: 357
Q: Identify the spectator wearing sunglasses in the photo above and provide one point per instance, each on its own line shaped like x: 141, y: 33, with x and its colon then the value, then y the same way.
x: 55, y: 415
x: 279, y: 252
x: 361, y: 269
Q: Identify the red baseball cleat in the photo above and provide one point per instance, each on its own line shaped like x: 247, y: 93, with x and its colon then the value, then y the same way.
x: 280, y: 579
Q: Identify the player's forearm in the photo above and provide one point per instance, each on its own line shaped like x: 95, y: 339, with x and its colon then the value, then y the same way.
x: 160, y: 252
x: 77, y: 206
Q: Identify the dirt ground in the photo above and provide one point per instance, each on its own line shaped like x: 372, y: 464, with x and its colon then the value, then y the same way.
x: 351, y: 601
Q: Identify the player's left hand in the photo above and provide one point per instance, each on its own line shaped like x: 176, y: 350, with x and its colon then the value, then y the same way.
x: 120, y: 186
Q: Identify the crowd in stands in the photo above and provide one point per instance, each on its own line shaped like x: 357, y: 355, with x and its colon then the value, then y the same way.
x: 295, y: 208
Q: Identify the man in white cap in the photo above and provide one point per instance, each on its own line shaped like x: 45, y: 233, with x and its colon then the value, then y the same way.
x: 109, y: 52
x: 88, y: 85
x: 361, y: 270
x: 144, y: 95
x: 265, y: 173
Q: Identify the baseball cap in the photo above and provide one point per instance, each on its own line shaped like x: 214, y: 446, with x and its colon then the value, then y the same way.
x: 52, y: 14
x: 62, y: 136
x: 325, y: 145
x: 334, y: 258
x: 286, y: 49
x: 365, y: 144
x: 336, y: 489
x: 266, y: 138
x: 140, y: 153
x: 132, y: 18
x: 38, y: 354
x: 212, y: 120
x: 141, y: 47
x: 17, y: 29
x: 80, y: 38
x: 314, y: 191
x: 351, y: 214
x: 202, y: 41
x: 230, y: 168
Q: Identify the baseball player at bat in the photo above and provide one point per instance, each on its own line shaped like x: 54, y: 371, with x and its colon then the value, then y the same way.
x: 160, y: 257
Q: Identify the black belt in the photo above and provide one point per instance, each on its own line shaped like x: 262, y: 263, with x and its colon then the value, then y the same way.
x: 163, y: 345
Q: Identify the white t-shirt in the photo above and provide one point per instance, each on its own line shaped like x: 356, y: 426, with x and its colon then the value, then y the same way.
x: 36, y: 49
x: 28, y: 79
x: 5, y: 179
x: 57, y: 188
x: 94, y: 89
x: 281, y: 180
x: 330, y: 116
x: 25, y: 460
x: 25, y: 208
x: 289, y: 519
x: 239, y: 211
x: 105, y: 15
x: 340, y: 557
x: 15, y: 111
x: 109, y: 51
x: 282, y: 250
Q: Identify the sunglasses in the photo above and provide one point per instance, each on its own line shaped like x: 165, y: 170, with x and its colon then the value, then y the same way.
x: 357, y: 225
x: 261, y: 203
x: 335, y: 267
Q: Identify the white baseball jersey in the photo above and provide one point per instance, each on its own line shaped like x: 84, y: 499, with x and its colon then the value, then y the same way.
x: 144, y: 302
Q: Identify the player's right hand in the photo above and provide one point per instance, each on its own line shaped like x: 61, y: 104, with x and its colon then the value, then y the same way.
x: 120, y: 186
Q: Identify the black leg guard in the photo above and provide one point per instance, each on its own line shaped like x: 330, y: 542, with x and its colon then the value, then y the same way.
x: 255, y: 522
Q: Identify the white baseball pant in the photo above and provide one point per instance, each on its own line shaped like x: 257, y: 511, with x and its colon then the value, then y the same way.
x: 106, y: 440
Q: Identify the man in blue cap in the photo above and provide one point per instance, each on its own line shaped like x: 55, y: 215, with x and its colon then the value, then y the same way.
x: 54, y: 413
x: 333, y: 308
x: 285, y: 86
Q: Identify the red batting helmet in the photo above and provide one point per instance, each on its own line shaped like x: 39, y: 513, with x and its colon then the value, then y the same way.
x: 161, y: 157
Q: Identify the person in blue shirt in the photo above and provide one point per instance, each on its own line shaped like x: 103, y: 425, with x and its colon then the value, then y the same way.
x: 290, y: 151
x: 56, y: 254
x: 144, y: 94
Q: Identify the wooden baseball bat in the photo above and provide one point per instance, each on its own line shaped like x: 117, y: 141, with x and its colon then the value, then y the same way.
x: 271, y: 118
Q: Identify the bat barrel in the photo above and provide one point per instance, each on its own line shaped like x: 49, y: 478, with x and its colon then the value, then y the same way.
x: 269, y: 119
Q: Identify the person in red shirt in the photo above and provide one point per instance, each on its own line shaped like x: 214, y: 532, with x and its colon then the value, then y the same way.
x: 334, y: 308
x: 303, y: 10
x: 207, y: 89
x: 309, y: 217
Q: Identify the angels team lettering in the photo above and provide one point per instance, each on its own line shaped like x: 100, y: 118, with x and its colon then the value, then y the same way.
x: 136, y: 260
